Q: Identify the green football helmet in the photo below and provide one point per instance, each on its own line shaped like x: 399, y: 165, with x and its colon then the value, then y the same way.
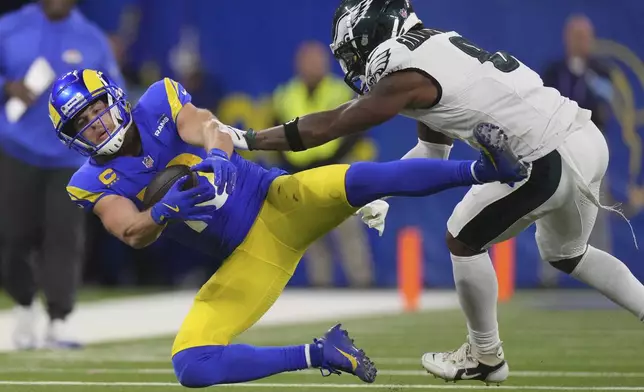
x: 359, y: 26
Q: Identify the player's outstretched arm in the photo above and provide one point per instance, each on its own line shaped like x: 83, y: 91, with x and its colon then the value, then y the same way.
x: 122, y: 219
x: 393, y: 93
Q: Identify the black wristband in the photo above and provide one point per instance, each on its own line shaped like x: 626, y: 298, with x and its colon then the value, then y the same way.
x: 250, y: 138
x: 292, y: 133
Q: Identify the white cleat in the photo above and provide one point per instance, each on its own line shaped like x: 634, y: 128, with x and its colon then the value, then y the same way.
x: 464, y: 364
x: 58, y: 337
x: 24, y: 334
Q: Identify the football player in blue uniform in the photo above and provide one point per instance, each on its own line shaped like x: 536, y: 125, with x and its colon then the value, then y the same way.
x: 257, y: 228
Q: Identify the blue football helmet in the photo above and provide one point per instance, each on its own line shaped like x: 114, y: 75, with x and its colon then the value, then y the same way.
x: 79, y: 90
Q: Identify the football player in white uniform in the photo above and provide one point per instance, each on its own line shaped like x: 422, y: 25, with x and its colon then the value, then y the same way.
x: 451, y: 86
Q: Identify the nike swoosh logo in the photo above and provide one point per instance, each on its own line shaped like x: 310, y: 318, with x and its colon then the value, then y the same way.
x: 466, y: 376
x: 175, y: 208
x: 351, y: 358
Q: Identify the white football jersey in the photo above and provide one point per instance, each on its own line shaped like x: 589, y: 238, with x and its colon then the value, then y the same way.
x: 475, y: 87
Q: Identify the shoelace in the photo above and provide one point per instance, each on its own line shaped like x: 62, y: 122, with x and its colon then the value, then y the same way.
x: 330, y: 371
x: 461, y: 355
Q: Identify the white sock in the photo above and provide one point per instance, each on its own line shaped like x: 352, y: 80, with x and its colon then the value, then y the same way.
x: 477, y: 290
x: 307, y: 354
x: 612, y: 278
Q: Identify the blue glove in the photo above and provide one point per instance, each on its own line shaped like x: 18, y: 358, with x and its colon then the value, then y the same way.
x: 182, y: 205
x: 225, y: 171
x: 497, y: 162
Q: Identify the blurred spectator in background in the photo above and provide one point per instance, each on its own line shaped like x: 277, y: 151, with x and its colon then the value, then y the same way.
x: 38, y: 43
x: 313, y: 89
x: 186, y: 63
x: 585, y: 79
x: 580, y: 76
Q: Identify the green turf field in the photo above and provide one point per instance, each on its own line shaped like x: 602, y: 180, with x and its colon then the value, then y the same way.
x: 548, y: 350
x: 92, y: 294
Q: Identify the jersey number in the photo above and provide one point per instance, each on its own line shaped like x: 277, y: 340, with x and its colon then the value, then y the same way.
x: 502, y: 61
x: 413, y: 39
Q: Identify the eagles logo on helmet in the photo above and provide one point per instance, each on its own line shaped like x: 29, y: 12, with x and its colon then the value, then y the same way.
x: 359, y: 26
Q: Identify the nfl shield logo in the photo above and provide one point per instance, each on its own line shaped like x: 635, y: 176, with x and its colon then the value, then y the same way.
x: 148, y: 162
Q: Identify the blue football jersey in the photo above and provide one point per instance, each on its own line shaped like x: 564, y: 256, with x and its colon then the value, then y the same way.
x: 155, y: 117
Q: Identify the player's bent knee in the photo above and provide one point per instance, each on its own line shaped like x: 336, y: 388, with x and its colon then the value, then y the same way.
x: 568, y: 265
x: 196, y: 367
x: 457, y: 248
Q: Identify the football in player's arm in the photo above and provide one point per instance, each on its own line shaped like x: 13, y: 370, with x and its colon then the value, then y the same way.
x: 128, y: 145
x: 198, y: 127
